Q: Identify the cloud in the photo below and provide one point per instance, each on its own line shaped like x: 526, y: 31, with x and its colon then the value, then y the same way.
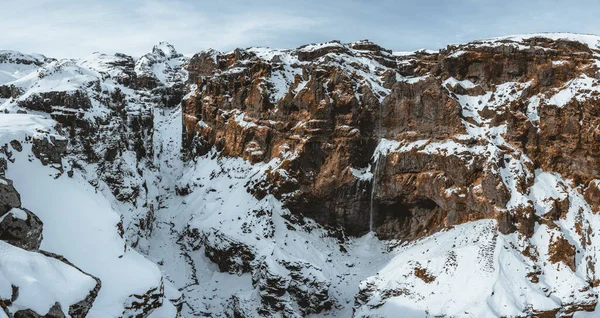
x: 70, y: 28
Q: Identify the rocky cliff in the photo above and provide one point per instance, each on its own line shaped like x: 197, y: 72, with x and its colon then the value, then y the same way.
x: 407, y: 145
x: 331, y: 179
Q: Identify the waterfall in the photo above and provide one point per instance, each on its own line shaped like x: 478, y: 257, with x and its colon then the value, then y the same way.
x: 374, y: 189
x: 377, y: 156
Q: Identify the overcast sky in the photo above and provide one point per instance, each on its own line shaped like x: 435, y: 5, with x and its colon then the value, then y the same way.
x: 67, y: 28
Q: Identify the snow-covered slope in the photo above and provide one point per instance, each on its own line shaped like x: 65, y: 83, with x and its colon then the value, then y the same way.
x: 80, y: 224
x: 42, y: 281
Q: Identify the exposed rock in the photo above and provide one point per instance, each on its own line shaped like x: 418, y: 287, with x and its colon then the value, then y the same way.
x: 561, y: 250
x: 10, y: 91
x: 9, y: 197
x: 201, y: 65
x: 140, y: 306
x: 337, y: 124
x: 49, y: 148
x: 240, y: 308
x: 47, y: 101
x: 21, y: 228
x: 55, y: 312
x: 503, y: 132
x: 230, y: 255
x: 285, y: 285
x: 3, y: 166
x: 16, y: 145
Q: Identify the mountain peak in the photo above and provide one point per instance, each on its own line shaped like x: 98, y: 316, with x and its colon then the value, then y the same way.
x: 165, y: 49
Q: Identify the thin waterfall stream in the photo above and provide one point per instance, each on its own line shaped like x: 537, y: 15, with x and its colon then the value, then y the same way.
x: 374, y: 190
x: 377, y: 156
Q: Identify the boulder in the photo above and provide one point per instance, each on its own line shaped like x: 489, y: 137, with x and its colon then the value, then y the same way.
x: 9, y: 197
x: 21, y: 228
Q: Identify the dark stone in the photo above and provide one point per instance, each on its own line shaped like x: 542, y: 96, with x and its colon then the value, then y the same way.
x: 9, y: 197
x: 16, y: 145
x: 49, y: 148
x: 54, y: 312
x: 26, y: 234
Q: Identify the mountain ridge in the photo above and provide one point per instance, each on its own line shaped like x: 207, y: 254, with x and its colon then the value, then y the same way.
x: 327, y: 180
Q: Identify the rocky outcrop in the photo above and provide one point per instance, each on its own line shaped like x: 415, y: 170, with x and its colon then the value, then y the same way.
x: 9, y: 197
x: 55, y: 312
x: 328, y: 119
x: 140, y: 306
x: 21, y: 228
x: 10, y: 91
x: 49, y: 148
x: 284, y: 285
x: 409, y: 145
x: 48, y: 101
x: 230, y: 255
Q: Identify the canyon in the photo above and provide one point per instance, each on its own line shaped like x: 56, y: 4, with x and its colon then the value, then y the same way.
x: 330, y: 180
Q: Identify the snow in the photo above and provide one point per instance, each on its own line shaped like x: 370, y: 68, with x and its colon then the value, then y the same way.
x: 84, y: 231
x: 363, y: 174
x: 15, y: 213
x: 456, y: 54
x: 17, y: 126
x: 474, y: 255
x: 387, y: 146
x: 163, y: 63
x: 317, y: 46
x: 13, y: 67
x: 592, y: 41
x: 403, y: 53
x: 267, y: 54
x: 104, y: 64
x: 464, y: 83
x: 547, y: 186
x: 58, y: 76
x: 580, y: 88
x: 42, y: 281
x: 239, y: 119
x: 532, y: 110
x: 221, y: 205
x: 282, y: 80
x: 412, y: 80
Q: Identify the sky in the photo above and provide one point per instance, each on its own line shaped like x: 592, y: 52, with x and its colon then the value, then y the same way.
x: 69, y: 28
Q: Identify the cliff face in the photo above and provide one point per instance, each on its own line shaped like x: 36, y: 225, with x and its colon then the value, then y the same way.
x: 438, y: 136
x: 407, y: 145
